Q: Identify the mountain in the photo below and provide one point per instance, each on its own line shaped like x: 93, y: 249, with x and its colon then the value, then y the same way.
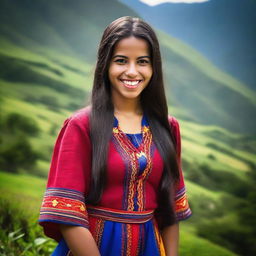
x: 223, y: 31
x: 197, y: 90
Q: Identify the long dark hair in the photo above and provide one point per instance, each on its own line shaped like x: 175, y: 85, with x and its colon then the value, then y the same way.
x: 154, y: 105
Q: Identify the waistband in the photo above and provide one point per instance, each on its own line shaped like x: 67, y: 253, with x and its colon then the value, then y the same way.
x: 120, y: 215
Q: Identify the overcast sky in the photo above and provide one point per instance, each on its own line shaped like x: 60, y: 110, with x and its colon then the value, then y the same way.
x: 156, y: 2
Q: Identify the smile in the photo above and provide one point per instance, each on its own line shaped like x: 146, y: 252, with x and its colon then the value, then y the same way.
x: 130, y: 83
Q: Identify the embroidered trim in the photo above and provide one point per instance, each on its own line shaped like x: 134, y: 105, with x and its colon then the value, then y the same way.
x: 129, y: 239
x: 119, y: 215
x: 135, y: 184
x: 64, y: 205
x: 99, y: 231
x: 182, y: 208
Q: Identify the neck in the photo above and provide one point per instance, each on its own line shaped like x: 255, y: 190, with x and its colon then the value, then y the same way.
x: 127, y: 106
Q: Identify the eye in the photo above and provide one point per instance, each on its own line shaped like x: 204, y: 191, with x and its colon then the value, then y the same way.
x: 143, y: 61
x: 120, y: 61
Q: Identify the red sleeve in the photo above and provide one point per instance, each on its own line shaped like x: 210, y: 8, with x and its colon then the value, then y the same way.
x: 69, y: 176
x: 182, y: 208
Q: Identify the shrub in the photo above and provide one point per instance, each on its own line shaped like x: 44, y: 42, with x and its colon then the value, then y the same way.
x: 18, y: 155
x: 204, y: 175
x: 20, y: 234
x: 234, y: 237
x: 15, y: 122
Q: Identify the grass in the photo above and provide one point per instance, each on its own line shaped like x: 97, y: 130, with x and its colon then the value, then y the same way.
x: 193, y: 245
x: 24, y: 191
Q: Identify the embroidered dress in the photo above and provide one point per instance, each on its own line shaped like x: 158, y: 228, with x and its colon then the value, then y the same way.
x: 123, y: 222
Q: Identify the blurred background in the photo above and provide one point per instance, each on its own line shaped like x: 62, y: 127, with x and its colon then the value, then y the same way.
x: 47, y: 58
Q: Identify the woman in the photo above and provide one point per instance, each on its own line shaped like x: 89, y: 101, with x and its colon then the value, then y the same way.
x: 115, y: 185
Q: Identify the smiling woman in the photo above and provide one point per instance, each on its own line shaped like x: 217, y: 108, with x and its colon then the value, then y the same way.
x: 130, y: 69
x: 115, y: 186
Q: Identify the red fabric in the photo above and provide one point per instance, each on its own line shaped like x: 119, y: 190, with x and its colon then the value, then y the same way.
x: 71, y: 168
x: 71, y: 160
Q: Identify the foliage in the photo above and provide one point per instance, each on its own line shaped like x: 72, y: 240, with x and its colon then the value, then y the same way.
x: 241, y: 235
x: 17, y: 123
x: 16, y: 151
x: 19, y: 233
x: 50, y: 101
x: 18, y: 155
x: 17, y: 71
x: 215, y: 180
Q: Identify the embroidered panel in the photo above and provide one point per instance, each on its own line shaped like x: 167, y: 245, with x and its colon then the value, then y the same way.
x: 64, y: 206
x: 134, y: 185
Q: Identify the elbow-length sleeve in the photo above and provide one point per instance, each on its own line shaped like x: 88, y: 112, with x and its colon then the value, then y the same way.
x: 69, y: 178
x: 181, y: 204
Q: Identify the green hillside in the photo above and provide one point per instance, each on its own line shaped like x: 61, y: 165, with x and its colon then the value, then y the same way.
x: 199, y: 90
x: 47, y: 58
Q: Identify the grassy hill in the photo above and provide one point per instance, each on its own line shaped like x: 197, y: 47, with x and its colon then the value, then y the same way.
x: 47, y: 58
x: 198, y: 89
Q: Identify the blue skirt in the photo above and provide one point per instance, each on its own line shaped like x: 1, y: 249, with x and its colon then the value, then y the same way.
x: 121, y: 234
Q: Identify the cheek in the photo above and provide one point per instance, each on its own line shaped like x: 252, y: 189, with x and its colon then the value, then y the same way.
x: 149, y: 73
x: 115, y: 70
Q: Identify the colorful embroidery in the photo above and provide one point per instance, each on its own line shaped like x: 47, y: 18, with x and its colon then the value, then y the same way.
x: 99, y: 231
x: 129, y: 239
x: 134, y: 188
x: 119, y: 215
x: 64, y: 206
x: 181, y: 205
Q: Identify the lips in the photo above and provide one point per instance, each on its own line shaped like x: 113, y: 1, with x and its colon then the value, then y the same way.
x: 131, y: 84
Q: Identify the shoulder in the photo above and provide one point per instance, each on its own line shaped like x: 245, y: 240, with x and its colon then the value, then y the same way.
x: 174, y: 124
x: 80, y: 118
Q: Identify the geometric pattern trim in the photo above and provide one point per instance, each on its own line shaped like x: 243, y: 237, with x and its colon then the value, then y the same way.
x: 64, y: 206
x: 182, y: 208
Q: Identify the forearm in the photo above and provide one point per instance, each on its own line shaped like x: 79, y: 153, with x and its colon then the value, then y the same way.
x: 170, y: 236
x: 80, y: 241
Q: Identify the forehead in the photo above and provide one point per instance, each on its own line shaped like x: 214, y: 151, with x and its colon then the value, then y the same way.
x: 132, y: 45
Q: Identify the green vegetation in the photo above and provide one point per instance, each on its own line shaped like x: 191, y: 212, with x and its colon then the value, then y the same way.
x: 16, y: 150
x: 19, y: 208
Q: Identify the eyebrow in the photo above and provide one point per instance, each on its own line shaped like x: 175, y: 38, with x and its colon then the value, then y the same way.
x: 125, y: 57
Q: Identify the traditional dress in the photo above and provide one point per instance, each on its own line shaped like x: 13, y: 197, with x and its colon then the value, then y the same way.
x: 123, y: 222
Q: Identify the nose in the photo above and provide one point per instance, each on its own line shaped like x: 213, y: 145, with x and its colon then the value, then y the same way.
x: 131, y: 70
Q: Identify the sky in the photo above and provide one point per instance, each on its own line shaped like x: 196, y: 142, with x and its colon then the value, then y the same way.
x: 156, y: 2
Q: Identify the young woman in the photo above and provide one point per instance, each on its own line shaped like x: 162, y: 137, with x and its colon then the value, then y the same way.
x: 115, y: 185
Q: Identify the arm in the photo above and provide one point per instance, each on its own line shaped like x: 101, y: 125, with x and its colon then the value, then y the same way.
x: 170, y: 236
x: 79, y: 240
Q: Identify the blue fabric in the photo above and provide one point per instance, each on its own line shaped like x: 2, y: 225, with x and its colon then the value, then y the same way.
x: 151, y: 247
x: 135, y: 138
x: 61, y: 249
x: 111, y: 243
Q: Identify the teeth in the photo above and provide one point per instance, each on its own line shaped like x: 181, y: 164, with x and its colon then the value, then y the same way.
x: 131, y: 82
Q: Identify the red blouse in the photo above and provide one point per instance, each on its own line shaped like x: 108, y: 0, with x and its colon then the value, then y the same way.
x: 70, y: 173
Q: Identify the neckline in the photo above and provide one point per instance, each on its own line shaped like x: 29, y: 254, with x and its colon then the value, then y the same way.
x: 144, y: 131
x: 133, y: 134
x: 144, y: 123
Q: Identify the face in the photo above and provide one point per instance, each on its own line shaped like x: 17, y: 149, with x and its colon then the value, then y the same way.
x: 130, y: 69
